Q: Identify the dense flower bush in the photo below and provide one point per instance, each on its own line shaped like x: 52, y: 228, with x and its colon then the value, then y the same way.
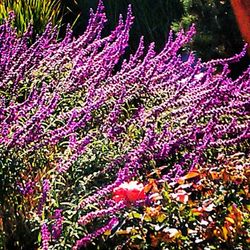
x: 79, y: 123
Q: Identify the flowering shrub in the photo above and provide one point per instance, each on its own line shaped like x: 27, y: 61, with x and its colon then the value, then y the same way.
x: 78, y: 123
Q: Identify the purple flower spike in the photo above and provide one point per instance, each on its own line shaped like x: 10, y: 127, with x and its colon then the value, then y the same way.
x: 88, y: 238
x: 57, y: 227
x: 45, y: 190
x: 45, y: 236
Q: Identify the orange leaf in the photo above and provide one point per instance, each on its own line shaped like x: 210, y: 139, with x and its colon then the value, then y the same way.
x: 173, y: 232
x: 197, y: 211
x: 217, y: 232
x: 225, y: 233
x: 215, y: 175
x: 147, y: 188
x: 122, y: 232
x: 230, y: 220
x: 181, y: 180
x: 154, y: 240
x: 108, y: 232
x: 181, y: 197
x: 151, y: 186
x: 191, y: 174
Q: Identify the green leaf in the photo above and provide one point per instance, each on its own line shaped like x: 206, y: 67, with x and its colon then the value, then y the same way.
x: 134, y: 215
x: 161, y: 217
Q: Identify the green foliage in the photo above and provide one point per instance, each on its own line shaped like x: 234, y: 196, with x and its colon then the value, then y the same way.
x: 37, y: 12
x: 217, y: 31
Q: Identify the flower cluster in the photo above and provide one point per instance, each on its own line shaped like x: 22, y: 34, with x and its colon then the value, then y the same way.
x: 129, y: 191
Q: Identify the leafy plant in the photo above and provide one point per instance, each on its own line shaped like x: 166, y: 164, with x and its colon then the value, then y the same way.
x: 38, y: 13
x: 206, y: 208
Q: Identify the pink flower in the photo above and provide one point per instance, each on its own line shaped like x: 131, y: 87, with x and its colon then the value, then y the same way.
x: 129, y: 191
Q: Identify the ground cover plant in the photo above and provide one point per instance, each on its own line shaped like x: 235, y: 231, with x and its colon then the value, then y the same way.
x: 99, y: 151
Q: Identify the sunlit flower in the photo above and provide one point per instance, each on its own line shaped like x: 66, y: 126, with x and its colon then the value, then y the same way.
x: 129, y: 191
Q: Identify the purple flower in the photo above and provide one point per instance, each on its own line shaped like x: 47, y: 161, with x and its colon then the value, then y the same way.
x: 45, y: 236
x: 27, y: 188
x: 90, y: 237
x: 45, y: 190
x: 57, y: 226
x: 101, y: 213
x: 77, y: 102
